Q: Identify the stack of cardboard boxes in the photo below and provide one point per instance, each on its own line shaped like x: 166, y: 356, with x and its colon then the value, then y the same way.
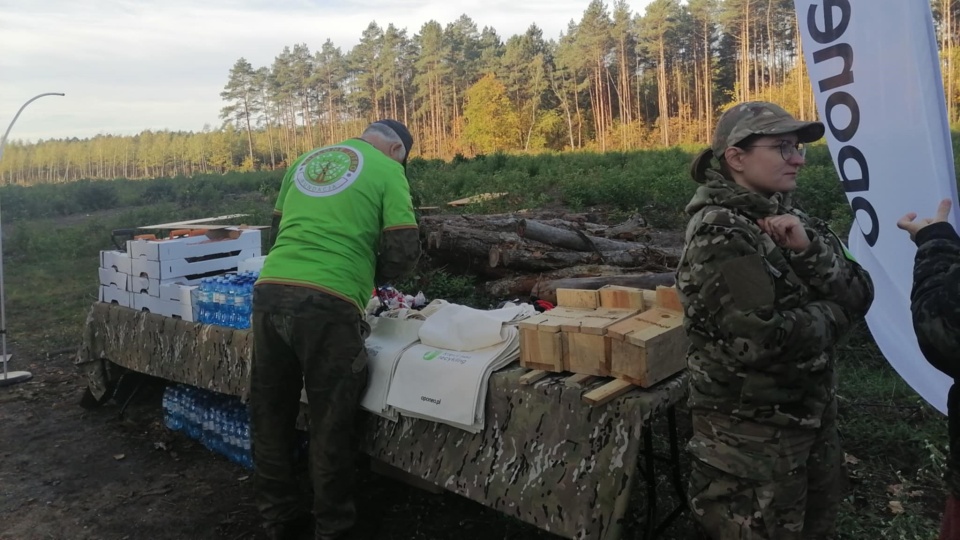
x: 159, y: 275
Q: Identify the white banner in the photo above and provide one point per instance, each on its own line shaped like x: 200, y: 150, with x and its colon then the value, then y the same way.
x: 875, y: 71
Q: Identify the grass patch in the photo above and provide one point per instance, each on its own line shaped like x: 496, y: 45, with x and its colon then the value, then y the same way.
x: 895, y: 444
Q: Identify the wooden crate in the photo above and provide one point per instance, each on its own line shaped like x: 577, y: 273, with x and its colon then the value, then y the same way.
x: 648, y: 347
x: 541, y: 343
x: 586, y: 347
x: 620, y: 297
x: 667, y: 298
x: 578, y: 298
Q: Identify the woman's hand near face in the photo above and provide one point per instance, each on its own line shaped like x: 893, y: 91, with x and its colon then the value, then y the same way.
x: 786, y: 231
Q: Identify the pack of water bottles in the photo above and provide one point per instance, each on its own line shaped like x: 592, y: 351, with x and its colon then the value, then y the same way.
x: 226, y: 300
x: 218, y: 421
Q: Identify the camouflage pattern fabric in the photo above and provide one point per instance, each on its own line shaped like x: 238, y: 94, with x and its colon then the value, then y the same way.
x: 772, y: 483
x: 206, y: 356
x: 544, y: 457
x: 762, y: 322
x: 759, y: 118
x: 306, y: 339
x: 935, y: 303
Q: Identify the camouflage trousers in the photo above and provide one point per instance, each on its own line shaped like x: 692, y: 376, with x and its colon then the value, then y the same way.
x: 756, y: 482
x: 306, y: 339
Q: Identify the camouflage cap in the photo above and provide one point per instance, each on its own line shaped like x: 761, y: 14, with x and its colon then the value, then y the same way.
x: 753, y: 118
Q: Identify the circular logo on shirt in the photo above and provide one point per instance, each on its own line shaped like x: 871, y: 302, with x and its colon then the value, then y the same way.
x: 328, y: 171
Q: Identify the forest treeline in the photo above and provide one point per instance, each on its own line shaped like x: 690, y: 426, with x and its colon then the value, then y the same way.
x: 614, y: 80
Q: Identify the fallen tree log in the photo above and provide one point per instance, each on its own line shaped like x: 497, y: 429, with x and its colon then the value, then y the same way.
x: 628, y: 230
x: 467, y: 241
x: 567, y: 239
x: 538, y: 260
x: 547, y: 289
x: 520, y: 285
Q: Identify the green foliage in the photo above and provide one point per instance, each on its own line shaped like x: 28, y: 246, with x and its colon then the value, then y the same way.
x: 491, y: 120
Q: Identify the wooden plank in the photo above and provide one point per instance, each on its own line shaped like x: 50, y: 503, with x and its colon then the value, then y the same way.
x: 668, y: 298
x: 620, y: 297
x: 541, y: 349
x: 180, y: 224
x: 649, y: 298
x: 532, y: 376
x: 607, y: 392
x: 482, y: 197
x: 578, y: 298
x: 578, y: 380
x: 588, y: 354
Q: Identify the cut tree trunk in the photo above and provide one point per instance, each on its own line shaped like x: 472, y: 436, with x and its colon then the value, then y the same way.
x: 538, y: 260
x: 567, y: 239
x: 464, y: 241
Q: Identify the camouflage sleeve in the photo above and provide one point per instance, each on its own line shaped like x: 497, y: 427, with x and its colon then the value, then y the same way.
x: 399, y: 253
x: 731, y: 301
x: 935, y: 299
x: 826, y: 268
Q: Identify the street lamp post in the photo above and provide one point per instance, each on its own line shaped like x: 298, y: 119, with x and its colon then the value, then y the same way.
x: 11, y: 377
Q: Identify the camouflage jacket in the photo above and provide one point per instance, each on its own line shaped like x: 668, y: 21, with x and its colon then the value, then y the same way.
x: 935, y: 303
x: 763, y: 320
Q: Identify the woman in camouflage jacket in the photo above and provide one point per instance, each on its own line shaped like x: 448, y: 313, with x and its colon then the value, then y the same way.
x: 767, y: 292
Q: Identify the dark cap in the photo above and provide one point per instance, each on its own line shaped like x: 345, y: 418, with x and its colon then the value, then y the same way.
x: 402, y: 132
x: 753, y: 118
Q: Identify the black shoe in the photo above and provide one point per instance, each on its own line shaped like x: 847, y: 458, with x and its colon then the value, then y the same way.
x: 299, y: 528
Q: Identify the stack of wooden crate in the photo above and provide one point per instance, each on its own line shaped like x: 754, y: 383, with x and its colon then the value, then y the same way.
x: 632, y: 334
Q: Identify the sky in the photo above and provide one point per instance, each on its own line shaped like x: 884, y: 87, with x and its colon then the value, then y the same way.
x: 132, y: 65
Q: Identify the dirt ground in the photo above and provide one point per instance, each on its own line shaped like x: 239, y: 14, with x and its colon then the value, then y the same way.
x: 67, y: 472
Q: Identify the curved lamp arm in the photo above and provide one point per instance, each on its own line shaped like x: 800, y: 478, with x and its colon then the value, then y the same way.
x: 3, y: 141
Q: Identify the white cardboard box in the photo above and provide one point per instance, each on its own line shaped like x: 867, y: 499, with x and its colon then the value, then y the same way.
x: 117, y: 260
x: 192, y: 246
x: 155, y: 287
x: 113, y: 295
x: 253, y: 264
x: 114, y: 278
x: 168, y: 308
x: 184, y: 268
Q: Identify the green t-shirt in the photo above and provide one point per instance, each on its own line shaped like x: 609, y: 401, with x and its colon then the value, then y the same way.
x: 334, y: 203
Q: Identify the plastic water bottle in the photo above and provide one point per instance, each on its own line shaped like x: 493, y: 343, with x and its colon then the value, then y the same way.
x: 176, y: 407
x: 168, y: 409
x: 239, y: 305
x: 206, y: 300
x: 192, y: 424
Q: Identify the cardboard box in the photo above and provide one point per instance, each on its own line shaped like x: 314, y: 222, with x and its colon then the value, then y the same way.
x: 194, y: 247
x: 155, y: 287
x: 190, y: 269
x: 116, y: 260
x: 114, y: 295
x: 160, y: 306
x: 114, y: 278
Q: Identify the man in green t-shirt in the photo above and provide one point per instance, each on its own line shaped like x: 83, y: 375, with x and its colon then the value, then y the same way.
x: 343, y: 222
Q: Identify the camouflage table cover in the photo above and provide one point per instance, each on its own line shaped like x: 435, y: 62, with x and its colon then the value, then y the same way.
x: 543, y: 457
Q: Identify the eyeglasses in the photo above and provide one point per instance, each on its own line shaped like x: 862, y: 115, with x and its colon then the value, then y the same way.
x: 787, y: 149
